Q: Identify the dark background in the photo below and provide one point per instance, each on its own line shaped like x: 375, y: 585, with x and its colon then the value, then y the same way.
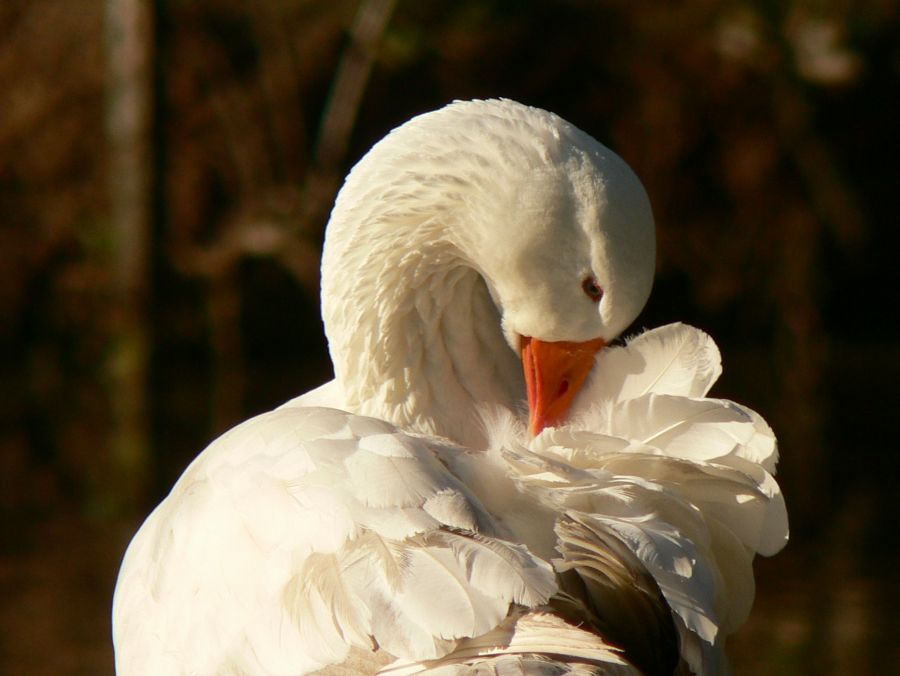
x: 166, y: 169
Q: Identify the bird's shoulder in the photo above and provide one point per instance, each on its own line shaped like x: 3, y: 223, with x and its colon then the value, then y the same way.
x: 306, y: 532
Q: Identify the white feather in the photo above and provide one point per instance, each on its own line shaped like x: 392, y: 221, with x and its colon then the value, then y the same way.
x: 675, y: 359
x: 311, y: 540
x: 500, y: 569
x: 505, y: 649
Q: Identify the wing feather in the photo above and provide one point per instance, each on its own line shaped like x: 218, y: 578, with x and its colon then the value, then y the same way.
x: 533, y: 642
x: 500, y: 569
x: 306, y: 533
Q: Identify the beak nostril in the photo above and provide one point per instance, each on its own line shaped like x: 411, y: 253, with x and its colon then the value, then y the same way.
x: 563, y: 387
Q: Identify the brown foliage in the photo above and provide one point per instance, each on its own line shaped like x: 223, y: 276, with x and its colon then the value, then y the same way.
x: 762, y: 132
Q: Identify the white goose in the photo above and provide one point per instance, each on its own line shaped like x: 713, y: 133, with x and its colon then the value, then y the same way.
x: 402, y: 517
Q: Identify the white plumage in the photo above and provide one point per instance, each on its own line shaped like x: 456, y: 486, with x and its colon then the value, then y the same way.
x: 402, y: 517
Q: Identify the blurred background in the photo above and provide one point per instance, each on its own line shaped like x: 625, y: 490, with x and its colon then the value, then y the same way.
x: 167, y: 168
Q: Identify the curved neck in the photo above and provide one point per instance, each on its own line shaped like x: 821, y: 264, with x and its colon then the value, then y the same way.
x: 414, y: 335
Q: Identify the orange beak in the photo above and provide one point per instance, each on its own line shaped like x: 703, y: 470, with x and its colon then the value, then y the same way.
x: 554, y: 372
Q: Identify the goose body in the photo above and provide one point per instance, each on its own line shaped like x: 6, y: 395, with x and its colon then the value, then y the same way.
x: 410, y: 516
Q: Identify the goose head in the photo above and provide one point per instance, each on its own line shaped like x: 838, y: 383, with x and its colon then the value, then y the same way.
x: 477, y: 254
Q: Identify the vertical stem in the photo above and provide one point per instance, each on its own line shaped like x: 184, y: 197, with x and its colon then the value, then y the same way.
x: 343, y: 104
x: 128, y: 42
x: 350, y: 81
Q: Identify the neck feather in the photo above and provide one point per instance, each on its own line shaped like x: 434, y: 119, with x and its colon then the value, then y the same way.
x: 414, y: 334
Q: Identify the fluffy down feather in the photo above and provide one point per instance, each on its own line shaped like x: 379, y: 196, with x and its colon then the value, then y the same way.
x: 682, y: 482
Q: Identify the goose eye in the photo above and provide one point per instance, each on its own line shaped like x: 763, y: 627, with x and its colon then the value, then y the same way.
x: 592, y: 289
